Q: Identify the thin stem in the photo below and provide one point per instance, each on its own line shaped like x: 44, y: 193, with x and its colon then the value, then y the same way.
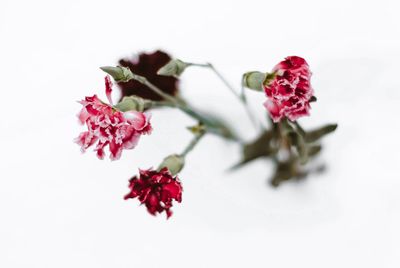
x: 193, y: 143
x: 243, y: 91
x: 284, y: 141
x: 212, y: 125
x: 155, y: 89
x: 241, y: 97
x: 247, y: 108
x: 220, y: 76
x: 300, y: 128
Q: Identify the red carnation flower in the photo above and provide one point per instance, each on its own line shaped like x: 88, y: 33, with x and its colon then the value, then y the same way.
x: 289, y: 92
x: 155, y: 189
x: 110, y: 127
x: 147, y: 65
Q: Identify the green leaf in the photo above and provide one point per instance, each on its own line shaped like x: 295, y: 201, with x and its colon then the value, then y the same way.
x: 314, y: 135
x: 285, y: 171
x: 301, y: 147
x: 314, y: 150
x: 282, y: 173
x: 296, y: 135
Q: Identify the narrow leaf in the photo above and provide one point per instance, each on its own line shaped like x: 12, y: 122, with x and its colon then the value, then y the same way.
x: 316, y: 134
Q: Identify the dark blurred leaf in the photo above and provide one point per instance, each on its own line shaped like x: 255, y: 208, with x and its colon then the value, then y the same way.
x: 287, y: 127
x: 299, y: 129
x: 286, y: 171
x: 314, y: 150
x: 260, y: 147
x: 316, y: 134
x: 280, y: 176
x: 301, y: 147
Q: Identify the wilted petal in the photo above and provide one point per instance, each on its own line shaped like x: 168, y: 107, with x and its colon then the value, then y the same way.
x: 108, y: 88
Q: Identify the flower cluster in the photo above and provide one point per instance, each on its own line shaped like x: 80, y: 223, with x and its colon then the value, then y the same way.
x: 156, y: 189
x: 109, y: 127
x: 289, y: 92
x: 151, y: 81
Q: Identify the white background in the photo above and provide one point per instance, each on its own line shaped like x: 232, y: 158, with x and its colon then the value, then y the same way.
x: 60, y: 208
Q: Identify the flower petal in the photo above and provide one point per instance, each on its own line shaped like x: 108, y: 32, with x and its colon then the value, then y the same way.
x: 108, y: 88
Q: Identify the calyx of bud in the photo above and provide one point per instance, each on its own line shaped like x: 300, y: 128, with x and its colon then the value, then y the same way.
x: 131, y: 103
x: 254, y: 80
x: 174, y: 163
x: 119, y: 73
x: 174, y: 67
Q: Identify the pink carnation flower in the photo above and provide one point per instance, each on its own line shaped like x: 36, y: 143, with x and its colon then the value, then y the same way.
x: 289, y: 92
x: 155, y: 189
x: 110, y: 127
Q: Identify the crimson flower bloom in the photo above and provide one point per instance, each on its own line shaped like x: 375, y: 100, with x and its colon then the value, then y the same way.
x: 290, y: 91
x: 147, y: 65
x: 155, y: 189
x: 110, y: 127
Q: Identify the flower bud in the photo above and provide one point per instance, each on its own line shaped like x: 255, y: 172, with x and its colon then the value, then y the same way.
x: 131, y: 103
x: 174, y: 163
x: 174, y: 67
x: 254, y: 80
x: 120, y: 74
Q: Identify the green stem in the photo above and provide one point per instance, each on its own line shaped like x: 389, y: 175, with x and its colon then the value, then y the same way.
x: 283, y: 139
x: 220, y: 76
x: 192, y: 143
x: 300, y: 129
x: 144, y: 81
x: 241, y: 97
x: 213, y: 126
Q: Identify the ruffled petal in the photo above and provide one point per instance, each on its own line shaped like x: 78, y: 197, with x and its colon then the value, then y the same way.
x: 155, y: 189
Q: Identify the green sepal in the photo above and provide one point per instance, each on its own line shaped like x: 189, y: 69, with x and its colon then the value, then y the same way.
x: 174, y: 163
x: 174, y: 67
x: 131, y: 103
x: 119, y: 73
x: 254, y: 80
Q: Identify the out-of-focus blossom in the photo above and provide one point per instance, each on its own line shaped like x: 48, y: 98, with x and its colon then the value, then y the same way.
x: 147, y: 65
